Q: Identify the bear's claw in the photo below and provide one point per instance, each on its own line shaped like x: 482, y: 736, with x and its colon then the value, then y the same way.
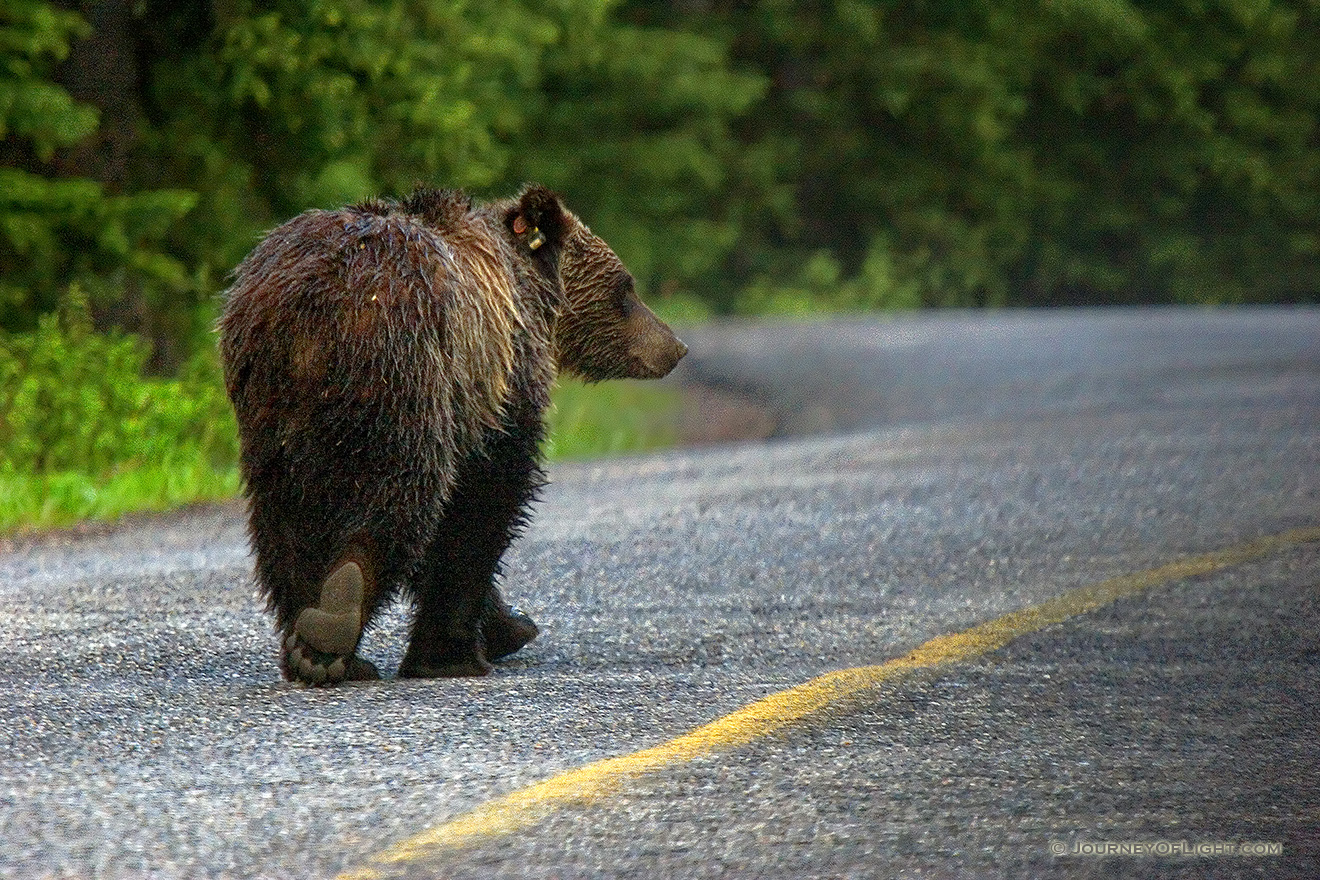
x: 320, y: 650
x: 302, y: 663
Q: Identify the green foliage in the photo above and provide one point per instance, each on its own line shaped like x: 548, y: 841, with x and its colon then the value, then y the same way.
x: 320, y: 103
x: 588, y: 421
x: 85, y: 435
x: 57, y: 230
x: 1182, y: 160
x: 73, y: 399
x: 636, y: 127
x: 43, y: 501
x: 887, y: 126
x: 316, y: 104
x: 34, y: 34
x: 818, y: 285
x: 1032, y: 151
x: 846, y: 154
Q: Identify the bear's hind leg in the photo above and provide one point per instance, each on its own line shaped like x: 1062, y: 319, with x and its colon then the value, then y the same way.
x: 442, y: 646
x: 461, y: 622
x: 437, y: 650
x: 446, y: 632
x: 321, y: 648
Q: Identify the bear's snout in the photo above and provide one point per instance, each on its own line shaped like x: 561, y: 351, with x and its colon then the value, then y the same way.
x: 655, y: 348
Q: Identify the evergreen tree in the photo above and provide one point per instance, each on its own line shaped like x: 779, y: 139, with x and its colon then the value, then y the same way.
x: 318, y: 104
x: 635, y: 125
x: 854, y: 152
x: 57, y: 226
x: 1175, y: 153
x: 1028, y: 151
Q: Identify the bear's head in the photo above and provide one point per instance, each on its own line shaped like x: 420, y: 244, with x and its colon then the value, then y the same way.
x: 604, y: 331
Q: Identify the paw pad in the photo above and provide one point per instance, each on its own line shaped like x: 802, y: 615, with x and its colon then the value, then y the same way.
x: 320, y: 650
x: 302, y: 663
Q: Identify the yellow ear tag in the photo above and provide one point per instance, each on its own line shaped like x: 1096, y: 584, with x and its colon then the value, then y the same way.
x: 536, y: 240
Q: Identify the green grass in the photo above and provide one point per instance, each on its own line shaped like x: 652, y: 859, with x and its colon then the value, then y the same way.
x: 42, y: 501
x: 586, y: 421
x: 612, y: 418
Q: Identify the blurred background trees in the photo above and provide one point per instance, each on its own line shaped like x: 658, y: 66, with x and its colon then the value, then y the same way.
x: 1029, y: 152
x: 740, y: 156
x: 758, y: 157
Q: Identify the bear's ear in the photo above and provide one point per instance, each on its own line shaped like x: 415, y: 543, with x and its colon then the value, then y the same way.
x: 538, y: 217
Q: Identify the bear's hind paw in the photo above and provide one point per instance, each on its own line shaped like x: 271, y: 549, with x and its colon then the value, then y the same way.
x: 302, y: 663
x: 451, y: 660
x: 321, y: 649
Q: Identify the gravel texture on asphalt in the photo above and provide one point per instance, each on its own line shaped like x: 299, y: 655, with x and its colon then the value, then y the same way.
x: 145, y: 731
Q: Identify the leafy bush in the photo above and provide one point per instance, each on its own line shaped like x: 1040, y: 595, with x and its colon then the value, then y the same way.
x: 818, y: 284
x: 73, y: 399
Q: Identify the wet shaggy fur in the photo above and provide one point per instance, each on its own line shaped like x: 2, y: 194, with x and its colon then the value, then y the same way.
x: 389, y: 364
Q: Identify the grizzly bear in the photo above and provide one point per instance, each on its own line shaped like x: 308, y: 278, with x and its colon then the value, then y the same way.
x: 390, y: 365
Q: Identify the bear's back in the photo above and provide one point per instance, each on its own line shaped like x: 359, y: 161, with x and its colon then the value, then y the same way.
x: 393, y: 306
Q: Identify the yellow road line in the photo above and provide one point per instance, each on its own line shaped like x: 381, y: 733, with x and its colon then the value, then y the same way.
x: 530, y: 805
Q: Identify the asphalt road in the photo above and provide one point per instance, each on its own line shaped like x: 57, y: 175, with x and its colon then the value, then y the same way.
x: 963, y: 467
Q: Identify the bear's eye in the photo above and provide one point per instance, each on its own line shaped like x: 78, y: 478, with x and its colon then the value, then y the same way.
x: 623, y: 293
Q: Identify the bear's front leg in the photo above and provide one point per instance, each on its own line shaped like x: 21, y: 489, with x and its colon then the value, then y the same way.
x: 321, y: 646
x: 504, y: 629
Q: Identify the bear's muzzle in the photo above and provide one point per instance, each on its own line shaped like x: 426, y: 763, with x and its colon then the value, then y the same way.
x: 655, y: 350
